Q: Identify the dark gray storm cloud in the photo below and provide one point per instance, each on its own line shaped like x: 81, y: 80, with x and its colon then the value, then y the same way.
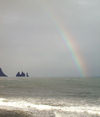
x: 29, y: 40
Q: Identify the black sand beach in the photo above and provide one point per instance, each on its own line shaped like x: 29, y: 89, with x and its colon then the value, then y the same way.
x: 13, y: 113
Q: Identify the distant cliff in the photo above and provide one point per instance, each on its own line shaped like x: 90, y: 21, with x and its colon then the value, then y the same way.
x: 2, y: 74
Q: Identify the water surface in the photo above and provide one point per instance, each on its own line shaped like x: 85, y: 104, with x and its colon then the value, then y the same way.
x: 52, y: 97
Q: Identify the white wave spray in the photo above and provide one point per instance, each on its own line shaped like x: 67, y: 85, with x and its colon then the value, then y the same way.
x: 20, y: 104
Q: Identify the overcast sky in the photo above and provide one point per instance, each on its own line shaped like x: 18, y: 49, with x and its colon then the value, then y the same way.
x: 30, y: 42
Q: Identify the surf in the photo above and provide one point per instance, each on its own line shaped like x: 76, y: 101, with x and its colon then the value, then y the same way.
x: 58, y: 110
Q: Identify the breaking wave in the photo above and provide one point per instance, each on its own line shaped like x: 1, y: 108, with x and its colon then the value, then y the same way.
x: 59, y: 111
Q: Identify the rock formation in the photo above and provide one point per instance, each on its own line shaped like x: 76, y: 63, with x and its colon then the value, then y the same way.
x: 27, y: 75
x: 20, y: 74
x: 2, y: 74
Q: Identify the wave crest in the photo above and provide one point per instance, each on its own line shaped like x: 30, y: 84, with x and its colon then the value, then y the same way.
x: 59, y: 110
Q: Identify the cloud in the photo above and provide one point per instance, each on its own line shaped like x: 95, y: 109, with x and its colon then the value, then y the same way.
x: 30, y: 41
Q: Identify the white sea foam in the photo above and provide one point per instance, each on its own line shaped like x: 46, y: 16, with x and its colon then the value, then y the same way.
x: 20, y: 104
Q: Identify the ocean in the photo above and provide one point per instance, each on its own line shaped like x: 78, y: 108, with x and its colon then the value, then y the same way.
x: 51, y: 97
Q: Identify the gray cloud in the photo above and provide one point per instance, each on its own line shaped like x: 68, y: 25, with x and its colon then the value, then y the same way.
x: 29, y: 40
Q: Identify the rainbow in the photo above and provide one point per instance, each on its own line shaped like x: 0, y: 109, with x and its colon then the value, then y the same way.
x: 75, y: 54
x: 68, y: 41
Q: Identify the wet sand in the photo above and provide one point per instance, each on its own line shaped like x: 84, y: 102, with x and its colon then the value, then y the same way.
x: 13, y: 113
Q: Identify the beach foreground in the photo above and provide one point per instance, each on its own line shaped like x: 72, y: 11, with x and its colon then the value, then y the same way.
x: 13, y: 113
x: 44, y: 97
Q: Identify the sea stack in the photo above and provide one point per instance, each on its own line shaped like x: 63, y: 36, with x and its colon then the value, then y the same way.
x: 2, y: 74
x: 20, y: 74
x: 27, y: 75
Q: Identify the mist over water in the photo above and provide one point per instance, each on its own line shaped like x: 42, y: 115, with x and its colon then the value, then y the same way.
x: 52, y: 97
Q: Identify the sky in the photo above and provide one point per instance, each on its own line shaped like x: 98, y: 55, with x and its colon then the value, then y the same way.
x: 31, y: 37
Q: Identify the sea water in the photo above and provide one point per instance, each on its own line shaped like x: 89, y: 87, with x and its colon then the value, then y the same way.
x: 52, y: 97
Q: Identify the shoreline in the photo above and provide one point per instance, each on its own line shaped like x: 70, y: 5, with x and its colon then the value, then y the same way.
x: 14, y: 113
